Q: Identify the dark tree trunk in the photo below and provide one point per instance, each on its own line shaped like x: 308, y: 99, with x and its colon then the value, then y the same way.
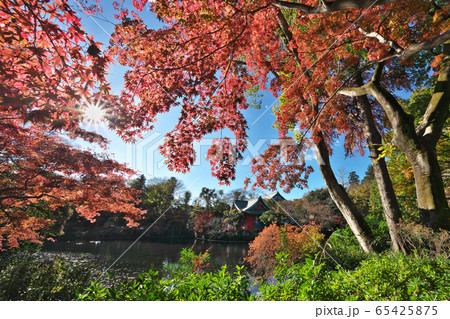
x: 389, y: 201
x: 339, y: 195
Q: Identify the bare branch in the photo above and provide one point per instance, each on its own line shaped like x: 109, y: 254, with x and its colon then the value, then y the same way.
x: 328, y: 7
x: 425, y: 45
x: 355, y: 91
x: 394, y: 45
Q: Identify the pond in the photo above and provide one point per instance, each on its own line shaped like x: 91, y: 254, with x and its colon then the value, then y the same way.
x: 144, y: 255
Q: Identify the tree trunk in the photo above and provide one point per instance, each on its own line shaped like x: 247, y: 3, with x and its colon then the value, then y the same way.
x: 339, y: 195
x: 421, y: 153
x: 419, y: 144
x: 433, y: 206
x: 388, y: 199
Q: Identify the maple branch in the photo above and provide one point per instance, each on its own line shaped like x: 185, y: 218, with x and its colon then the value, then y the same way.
x: 28, y: 197
x: 228, y: 69
x: 425, y: 45
x: 328, y: 7
x: 394, y: 45
x: 63, y: 61
x: 238, y: 62
x: 288, y: 34
x: 275, y: 74
x: 207, y: 55
x: 405, y: 54
x: 199, y: 36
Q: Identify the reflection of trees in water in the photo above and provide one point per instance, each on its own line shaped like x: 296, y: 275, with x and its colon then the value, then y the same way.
x: 145, y: 255
x: 231, y: 253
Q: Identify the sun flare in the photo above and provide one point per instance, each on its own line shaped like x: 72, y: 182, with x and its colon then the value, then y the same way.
x: 94, y: 114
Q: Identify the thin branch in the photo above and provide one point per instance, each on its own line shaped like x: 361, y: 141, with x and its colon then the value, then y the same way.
x: 405, y: 54
x: 328, y: 7
x: 63, y: 61
x: 206, y: 55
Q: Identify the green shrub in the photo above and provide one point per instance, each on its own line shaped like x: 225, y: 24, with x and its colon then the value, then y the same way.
x: 343, y: 249
x: 294, y: 281
x: 379, y: 277
x: 394, y: 277
x: 182, y: 281
x: 25, y: 277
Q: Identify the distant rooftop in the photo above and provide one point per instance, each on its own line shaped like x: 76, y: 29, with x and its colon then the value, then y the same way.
x: 257, y: 205
x: 276, y: 196
x: 251, y: 206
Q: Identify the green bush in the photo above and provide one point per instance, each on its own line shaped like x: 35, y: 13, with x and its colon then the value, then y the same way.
x: 25, y: 277
x: 379, y: 277
x: 394, y: 277
x: 343, y: 250
x: 182, y: 281
x: 294, y: 281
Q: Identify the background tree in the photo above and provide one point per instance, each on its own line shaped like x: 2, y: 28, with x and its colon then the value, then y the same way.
x: 138, y: 183
x: 343, y: 176
x: 317, y: 206
x: 239, y: 194
x: 275, y: 216
x: 208, y: 196
x: 353, y: 179
x: 361, y: 192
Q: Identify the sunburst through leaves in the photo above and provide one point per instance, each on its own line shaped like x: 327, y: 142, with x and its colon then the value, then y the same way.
x: 94, y: 114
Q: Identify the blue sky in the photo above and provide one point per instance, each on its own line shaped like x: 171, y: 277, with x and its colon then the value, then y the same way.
x: 144, y: 157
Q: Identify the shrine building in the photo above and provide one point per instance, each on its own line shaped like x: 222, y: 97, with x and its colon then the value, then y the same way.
x: 253, y: 208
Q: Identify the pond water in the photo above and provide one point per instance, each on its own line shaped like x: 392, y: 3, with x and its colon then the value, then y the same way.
x: 144, y: 255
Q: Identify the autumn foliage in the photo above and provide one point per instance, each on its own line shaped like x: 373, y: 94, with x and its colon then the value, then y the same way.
x: 292, y: 240
x: 50, y: 69
x: 202, y: 221
x: 209, y: 53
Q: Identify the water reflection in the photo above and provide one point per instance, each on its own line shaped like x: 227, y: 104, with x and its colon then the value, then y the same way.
x: 144, y: 255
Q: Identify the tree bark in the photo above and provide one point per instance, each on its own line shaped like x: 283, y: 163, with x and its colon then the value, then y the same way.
x: 419, y: 145
x: 421, y: 153
x: 389, y: 201
x: 343, y: 201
